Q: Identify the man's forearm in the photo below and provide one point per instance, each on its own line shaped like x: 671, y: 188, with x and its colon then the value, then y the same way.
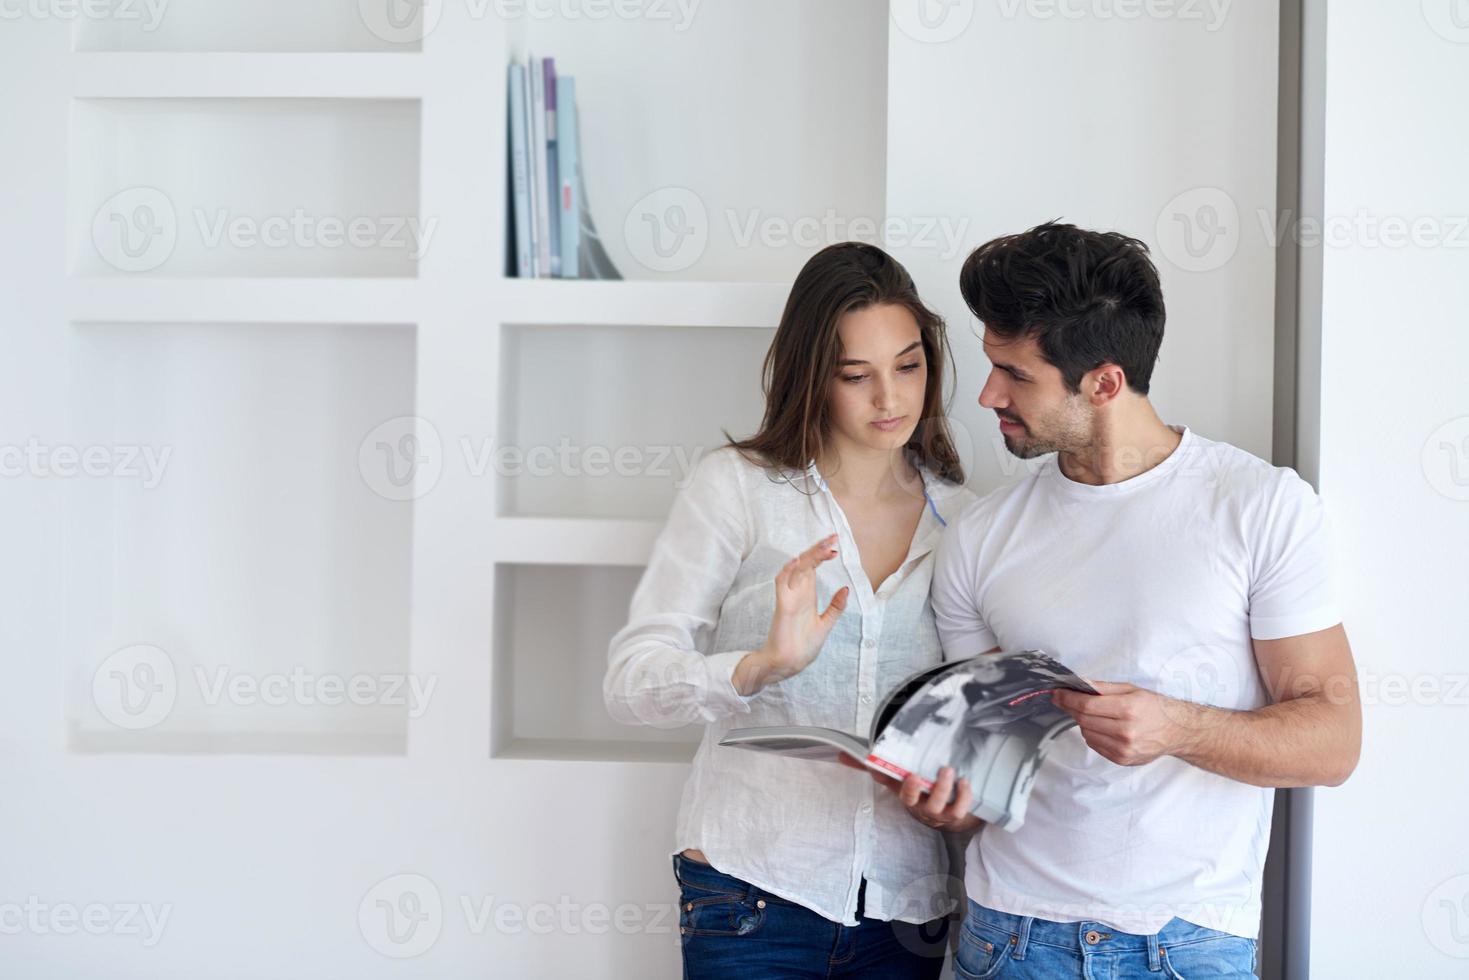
x: 1306, y: 741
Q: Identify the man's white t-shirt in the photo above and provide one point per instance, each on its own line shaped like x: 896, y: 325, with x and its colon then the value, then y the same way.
x: 1159, y: 581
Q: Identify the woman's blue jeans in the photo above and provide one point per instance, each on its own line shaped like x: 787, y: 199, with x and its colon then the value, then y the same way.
x: 731, y: 929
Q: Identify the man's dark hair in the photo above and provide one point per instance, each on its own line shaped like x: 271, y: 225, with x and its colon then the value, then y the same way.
x: 1087, y: 297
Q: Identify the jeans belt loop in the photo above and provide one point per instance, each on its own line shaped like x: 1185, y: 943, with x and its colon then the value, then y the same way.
x: 1024, y: 938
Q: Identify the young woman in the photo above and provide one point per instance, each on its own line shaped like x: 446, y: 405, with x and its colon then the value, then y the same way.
x: 789, y: 866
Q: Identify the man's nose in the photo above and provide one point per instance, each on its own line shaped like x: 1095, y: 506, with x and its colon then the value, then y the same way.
x: 991, y: 397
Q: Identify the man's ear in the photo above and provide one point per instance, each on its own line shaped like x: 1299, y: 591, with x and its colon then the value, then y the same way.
x: 1104, y: 383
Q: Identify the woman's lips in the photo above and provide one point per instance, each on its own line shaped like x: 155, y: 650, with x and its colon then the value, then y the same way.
x: 890, y: 424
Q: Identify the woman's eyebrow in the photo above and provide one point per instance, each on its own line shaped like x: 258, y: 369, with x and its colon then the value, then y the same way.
x: 848, y: 362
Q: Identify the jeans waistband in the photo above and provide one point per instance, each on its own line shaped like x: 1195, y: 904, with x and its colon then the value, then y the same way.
x: 1088, y: 935
x: 702, y: 875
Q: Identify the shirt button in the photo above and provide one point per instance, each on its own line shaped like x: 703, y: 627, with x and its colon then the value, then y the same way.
x: 867, y: 644
x: 866, y: 808
x: 867, y: 699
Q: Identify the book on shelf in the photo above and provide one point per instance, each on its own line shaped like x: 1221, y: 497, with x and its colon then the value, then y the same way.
x: 519, y: 174
x: 553, y: 183
x: 540, y: 198
x: 550, y: 229
x: 567, y: 199
x: 990, y: 717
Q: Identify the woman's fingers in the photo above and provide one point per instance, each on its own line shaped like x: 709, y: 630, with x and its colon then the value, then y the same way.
x: 823, y: 550
x: 838, y: 604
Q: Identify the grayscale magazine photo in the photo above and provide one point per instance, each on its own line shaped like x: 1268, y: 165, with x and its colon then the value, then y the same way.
x: 990, y: 717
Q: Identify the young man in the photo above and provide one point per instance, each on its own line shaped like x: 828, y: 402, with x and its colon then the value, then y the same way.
x: 1191, y: 580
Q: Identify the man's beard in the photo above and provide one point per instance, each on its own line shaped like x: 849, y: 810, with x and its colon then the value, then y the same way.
x: 1027, y: 448
x: 1067, y: 430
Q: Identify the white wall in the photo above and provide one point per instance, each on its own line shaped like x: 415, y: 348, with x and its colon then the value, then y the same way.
x: 995, y: 124
x: 1009, y: 114
x: 1391, y: 859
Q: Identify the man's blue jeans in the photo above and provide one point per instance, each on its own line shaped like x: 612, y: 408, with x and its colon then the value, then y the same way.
x: 998, y: 944
x: 731, y: 929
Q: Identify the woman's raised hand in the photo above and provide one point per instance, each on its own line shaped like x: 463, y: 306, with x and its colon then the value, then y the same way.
x: 797, y: 630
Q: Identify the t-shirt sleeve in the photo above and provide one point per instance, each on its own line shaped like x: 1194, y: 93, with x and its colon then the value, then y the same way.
x: 1293, y: 580
x: 962, y: 629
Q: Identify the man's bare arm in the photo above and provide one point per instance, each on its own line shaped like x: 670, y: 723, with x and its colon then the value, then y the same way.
x: 1310, y: 736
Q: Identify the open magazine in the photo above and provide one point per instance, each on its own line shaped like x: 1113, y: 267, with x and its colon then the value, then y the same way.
x: 990, y: 717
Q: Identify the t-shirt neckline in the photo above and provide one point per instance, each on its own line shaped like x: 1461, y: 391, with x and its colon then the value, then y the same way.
x: 1130, y: 485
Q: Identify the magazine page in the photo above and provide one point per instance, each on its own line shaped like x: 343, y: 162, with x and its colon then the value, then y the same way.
x: 991, y: 720
x: 905, y: 692
x: 799, y: 742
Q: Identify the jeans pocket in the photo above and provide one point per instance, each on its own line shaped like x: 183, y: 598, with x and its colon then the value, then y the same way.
x: 980, y: 956
x: 1222, y: 956
x: 708, y: 914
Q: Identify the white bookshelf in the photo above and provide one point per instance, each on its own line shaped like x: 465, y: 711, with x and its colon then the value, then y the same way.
x: 264, y: 26
x: 649, y: 403
x: 248, y: 187
x: 732, y: 136
x: 147, y: 75
x: 688, y: 305
x: 305, y: 106
x: 151, y: 299
x: 574, y: 541
x: 248, y: 543
x: 553, y: 623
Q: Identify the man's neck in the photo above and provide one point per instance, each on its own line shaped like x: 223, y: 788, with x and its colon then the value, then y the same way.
x: 1127, y: 443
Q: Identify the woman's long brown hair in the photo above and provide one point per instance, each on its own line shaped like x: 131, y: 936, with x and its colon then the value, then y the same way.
x: 801, y: 365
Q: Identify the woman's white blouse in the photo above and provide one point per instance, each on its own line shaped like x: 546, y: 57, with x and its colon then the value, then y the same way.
x: 805, y: 830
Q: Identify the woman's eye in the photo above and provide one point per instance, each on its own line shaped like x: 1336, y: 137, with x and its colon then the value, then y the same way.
x: 910, y: 367
x: 854, y: 378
